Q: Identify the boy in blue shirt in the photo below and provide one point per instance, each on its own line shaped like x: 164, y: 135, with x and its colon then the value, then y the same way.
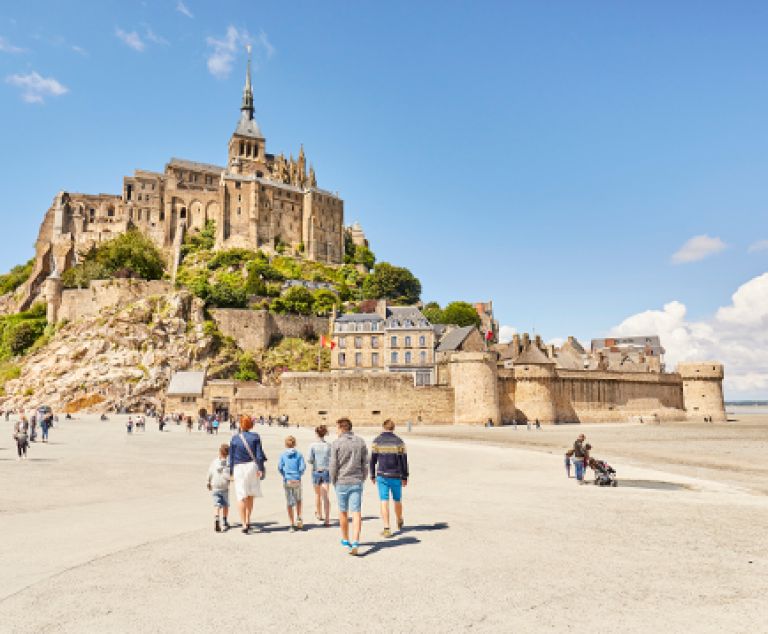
x: 292, y: 466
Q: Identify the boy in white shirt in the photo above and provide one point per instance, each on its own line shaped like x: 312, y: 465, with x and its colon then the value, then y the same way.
x: 218, y: 484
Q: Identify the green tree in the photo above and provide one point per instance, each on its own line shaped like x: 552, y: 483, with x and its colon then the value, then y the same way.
x: 395, y: 283
x: 461, y: 314
x: 228, y: 291
x: 23, y: 334
x: 325, y: 301
x: 248, y: 369
x: 231, y: 257
x: 363, y: 255
x: 433, y: 313
x: 134, y: 252
x: 296, y: 299
x: 349, y: 247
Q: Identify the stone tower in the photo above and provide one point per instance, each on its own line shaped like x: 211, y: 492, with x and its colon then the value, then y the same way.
x: 474, y: 381
x: 535, y: 375
x: 703, y: 390
x: 52, y: 290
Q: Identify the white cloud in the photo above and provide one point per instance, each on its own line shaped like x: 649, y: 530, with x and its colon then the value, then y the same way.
x: 760, y: 245
x: 698, y: 248
x: 153, y: 37
x: 79, y: 50
x: 266, y: 45
x: 224, y: 50
x: 132, y: 39
x: 7, y: 47
x: 183, y: 9
x: 505, y: 333
x: 736, y: 335
x: 34, y: 87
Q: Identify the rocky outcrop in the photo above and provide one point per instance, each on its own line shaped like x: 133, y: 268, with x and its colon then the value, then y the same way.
x: 124, y: 357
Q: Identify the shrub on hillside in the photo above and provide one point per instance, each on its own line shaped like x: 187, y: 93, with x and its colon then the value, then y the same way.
x: 296, y: 299
x: 19, y: 274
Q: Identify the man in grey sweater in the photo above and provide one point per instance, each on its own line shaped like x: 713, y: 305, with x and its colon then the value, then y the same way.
x: 348, y: 470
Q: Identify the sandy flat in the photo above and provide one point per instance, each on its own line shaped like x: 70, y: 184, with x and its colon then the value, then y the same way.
x: 102, y: 532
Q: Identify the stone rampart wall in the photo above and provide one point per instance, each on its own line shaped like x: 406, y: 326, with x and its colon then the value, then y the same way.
x: 311, y: 398
x: 79, y: 303
x: 254, y: 329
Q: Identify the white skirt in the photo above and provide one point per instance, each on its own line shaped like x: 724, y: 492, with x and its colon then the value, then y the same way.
x: 247, y: 482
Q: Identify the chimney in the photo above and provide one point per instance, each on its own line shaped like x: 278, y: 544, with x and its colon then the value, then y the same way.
x: 516, y: 344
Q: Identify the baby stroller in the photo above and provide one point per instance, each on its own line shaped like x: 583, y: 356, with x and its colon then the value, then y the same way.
x: 605, y: 474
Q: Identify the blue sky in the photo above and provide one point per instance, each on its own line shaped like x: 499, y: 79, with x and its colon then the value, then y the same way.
x: 551, y: 156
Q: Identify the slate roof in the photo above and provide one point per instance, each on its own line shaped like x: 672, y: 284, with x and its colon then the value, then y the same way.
x: 248, y: 127
x: 350, y: 317
x: 532, y: 355
x: 186, y: 384
x: 194, y: 165
x: 453, y: 340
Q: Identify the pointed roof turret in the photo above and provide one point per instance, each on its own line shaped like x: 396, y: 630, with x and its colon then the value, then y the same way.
x: 247, y: 125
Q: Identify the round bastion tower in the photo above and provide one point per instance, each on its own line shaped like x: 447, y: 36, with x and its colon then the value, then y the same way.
x: 703, y: 390
x: 535, y: 387
x: 474, y: 380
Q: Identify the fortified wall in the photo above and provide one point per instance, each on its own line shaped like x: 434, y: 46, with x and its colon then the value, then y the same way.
x: 79, y: 303
x: 255, y: 329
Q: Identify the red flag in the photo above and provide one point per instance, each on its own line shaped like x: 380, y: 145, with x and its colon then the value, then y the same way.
x: 489, y: 335
x: 325, y: 342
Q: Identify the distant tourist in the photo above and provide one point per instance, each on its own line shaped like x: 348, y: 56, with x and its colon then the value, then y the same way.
x: 129, y: 425
x: 578, y: 457
x: 320, y: 459
x: 528, y: 424
x: 587, y: 449
x: 45, y: 427
x: 218, y: 485
x: 389, y: 471
x: 568, y: 455
x: 189, y: 424
x: 292, y: 466
x: 538, y: 424
x: 348, y: 469
x: 33, y: 428
x: 216, y: 425
x: 246, y: 465
x: 21, y: 436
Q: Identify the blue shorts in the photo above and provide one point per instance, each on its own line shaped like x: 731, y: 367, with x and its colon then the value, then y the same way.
x: 221, y: 499
x: 387, y: 485
x: 320, y: 477
x: 350, y: 497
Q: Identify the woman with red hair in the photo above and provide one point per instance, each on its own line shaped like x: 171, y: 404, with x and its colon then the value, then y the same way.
x: 246, y: 467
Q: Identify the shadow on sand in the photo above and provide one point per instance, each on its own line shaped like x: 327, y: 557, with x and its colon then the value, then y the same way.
x: 374, y: 547
x: 658, y: 485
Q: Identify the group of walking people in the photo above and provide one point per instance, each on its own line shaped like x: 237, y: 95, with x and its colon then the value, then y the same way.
x: 25, y: 432
x: 344, y: 464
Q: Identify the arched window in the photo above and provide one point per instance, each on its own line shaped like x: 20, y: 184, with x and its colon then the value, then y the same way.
x: 422, y: 341
x: 407, y: 358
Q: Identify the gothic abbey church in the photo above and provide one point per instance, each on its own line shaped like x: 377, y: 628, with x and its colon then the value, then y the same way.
x: 258, y: 201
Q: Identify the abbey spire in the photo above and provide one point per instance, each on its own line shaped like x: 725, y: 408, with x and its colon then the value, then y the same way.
x: 247, y: 106
x: 247, y: 125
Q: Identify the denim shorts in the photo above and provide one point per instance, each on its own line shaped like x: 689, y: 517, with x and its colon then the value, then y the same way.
x: 221, y: 499
x: 320, y: 477
x: 389, y: 485
x: 350, y: 497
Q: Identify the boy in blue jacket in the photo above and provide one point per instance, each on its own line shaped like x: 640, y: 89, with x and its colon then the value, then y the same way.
x: 292, y: 466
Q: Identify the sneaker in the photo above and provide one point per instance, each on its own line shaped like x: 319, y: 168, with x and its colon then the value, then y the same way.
x: 386, y: 533
x: 345, y: 543
x: 292, y: 529
x: 400, y: 524
x: 300, y: 524
x: 353, y: 548
x: 225, y: 525
x: 216, y: 525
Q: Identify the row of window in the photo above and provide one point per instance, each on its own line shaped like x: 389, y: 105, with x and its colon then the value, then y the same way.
x: 360, y: 326
x: 407, y: 341
x: 394, y: 358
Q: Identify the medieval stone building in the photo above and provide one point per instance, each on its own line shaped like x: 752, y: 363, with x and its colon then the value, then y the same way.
x: 258, y: 200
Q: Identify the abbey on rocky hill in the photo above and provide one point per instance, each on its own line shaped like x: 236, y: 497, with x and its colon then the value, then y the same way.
x: 258, y: 201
